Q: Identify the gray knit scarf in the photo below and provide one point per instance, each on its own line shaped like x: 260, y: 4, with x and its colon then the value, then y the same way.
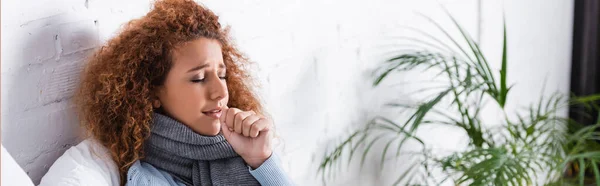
x: 192, y: 158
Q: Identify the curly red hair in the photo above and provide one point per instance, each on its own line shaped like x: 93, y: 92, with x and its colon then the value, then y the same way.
x: 116, y: 90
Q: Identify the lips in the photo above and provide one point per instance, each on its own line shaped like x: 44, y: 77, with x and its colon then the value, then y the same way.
x: 215, y: 113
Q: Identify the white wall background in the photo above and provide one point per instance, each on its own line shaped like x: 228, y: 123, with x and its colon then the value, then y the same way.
x: 314, y: 59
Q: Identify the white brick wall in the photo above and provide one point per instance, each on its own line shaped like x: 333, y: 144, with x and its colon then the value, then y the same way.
x: 313, y: 57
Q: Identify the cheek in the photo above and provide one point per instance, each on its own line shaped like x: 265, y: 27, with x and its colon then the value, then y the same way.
x: 187, y: 96
x: 197, y: 94
x: 226, y: 99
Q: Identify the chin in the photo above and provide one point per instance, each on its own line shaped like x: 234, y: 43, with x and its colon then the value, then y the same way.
x: 208, y: 132
x: 215, y: 132
x: 209, y: 127
x: 215, y: 128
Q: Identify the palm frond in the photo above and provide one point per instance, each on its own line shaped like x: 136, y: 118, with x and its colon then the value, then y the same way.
x: 537, y: 139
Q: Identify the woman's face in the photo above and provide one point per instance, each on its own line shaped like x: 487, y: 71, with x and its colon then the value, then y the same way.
x: 195, y: 90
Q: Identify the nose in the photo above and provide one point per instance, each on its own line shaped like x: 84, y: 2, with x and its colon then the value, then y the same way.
x: 218, y: 89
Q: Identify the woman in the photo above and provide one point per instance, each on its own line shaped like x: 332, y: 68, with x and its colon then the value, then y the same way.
x: 170, y: 101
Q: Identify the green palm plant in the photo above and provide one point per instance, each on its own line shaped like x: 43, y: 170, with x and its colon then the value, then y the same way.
x: 536, y: 143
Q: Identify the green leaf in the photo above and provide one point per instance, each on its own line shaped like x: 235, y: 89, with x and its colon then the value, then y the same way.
x: 366, y: 151
x: 587, y: 99
x: 401, y: 130
x: 385, y: 149
x: 425, y: 108
x: 385, y: 74
x: 503, y: 89
x: 596, y: 171
x: 581, y: 171
x: 360, y: 141
x: 405, y: 175
x: 483, y: 65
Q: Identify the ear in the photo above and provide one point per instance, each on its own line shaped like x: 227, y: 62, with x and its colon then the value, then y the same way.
x: 158, y: 91
x: 156, y: 103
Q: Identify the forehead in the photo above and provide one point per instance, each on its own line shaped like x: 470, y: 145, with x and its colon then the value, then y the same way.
x: 198, y: 52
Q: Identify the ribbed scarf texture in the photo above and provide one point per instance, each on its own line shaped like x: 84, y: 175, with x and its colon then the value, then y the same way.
x: 192, y: 158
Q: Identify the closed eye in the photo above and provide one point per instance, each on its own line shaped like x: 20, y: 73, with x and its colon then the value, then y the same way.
x: 197, y: 80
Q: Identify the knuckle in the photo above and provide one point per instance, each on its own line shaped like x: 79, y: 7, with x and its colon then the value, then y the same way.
x: 240, y: 116
x: 247, y: 122
x: 233, y: 111
x: 255, y: 127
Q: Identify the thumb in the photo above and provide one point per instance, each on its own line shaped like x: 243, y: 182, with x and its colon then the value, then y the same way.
x: 223, y: 117
x: 227, y: 132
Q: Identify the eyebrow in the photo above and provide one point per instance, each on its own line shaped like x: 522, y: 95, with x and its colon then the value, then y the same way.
x: 222, y: 66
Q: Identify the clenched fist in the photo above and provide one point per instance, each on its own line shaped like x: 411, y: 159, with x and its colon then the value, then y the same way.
x: 249, y: 134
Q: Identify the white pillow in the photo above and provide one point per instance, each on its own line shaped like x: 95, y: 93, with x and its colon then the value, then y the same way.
x: 87, y: 163
x: 12, y: 173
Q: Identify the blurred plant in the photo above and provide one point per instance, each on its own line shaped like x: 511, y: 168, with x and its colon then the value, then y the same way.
x: 539, y: 141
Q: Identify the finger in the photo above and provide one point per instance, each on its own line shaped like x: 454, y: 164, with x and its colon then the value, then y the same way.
x: 226, y: 132
x: 231, y: 112
x: 238, y: 123
x: 247, y: 124
x: 223, y: 114
x: 260, y: 125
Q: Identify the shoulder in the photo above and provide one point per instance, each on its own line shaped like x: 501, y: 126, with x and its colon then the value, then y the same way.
x: 87, y: 163
x: 142, y: 173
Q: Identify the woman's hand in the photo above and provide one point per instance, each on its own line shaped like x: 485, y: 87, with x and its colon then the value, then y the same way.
x: 249, y: 134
